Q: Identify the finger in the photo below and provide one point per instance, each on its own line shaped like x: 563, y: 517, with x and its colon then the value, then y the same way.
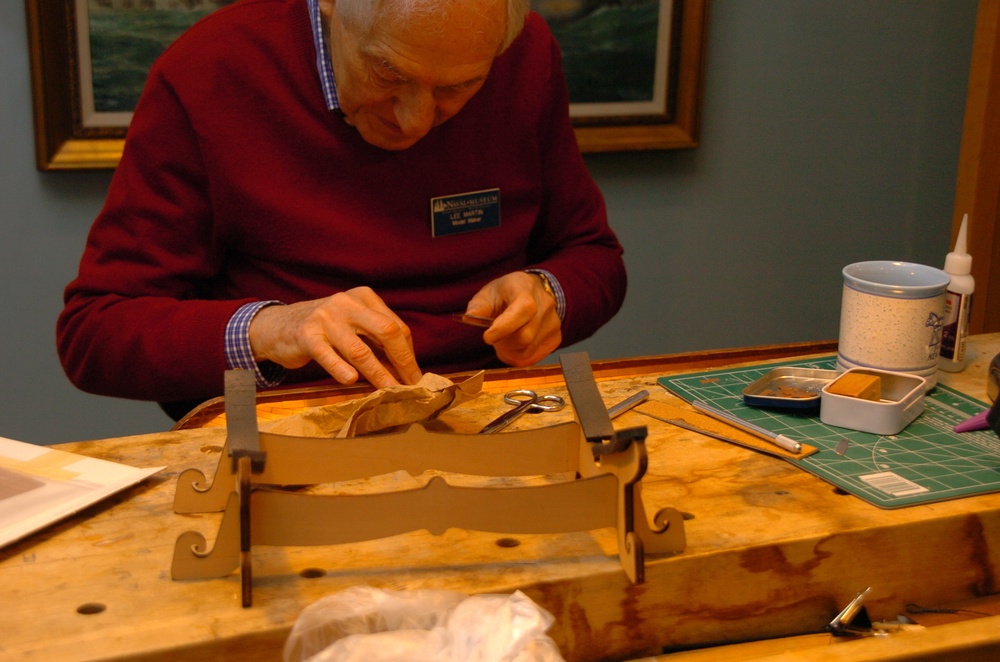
x: 321, y: 351
x: 392, y: 337
x: 350, y: 359
x: 499, y: 295
x: 361, y: 356
x: 373, y: 323
x: 484, y: 304
x: 517, y: 320
x: 337, y: 347
x: 529, y: 342
x: 346, y: 356
x: 518, y: 355
x: 396, y: 342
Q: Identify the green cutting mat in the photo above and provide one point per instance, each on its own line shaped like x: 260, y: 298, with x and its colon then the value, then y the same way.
x: 924, y: 463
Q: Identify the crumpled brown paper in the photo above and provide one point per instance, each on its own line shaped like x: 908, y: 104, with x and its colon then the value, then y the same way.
x: 383, y: 410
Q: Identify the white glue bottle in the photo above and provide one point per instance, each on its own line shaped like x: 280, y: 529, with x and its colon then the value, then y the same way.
x: 958, y: 301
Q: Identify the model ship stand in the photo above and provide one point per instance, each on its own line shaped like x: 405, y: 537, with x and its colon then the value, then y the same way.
x: 608, y: 466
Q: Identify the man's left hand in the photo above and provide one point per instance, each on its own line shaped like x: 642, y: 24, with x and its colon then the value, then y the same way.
x: 526, y: 327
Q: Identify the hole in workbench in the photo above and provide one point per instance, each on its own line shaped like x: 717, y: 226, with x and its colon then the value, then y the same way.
x: 90, y: 608
x: 211, y: 449
x: 508, y: 542
x: 686, y: 516
x: 312, y: 573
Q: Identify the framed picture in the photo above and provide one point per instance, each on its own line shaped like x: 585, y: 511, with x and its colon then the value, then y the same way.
x: 633, y: 68
x: 640, y: 89
x: 89, y: 61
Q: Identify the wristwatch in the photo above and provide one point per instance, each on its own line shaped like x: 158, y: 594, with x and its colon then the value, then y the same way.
x: 546, y: 283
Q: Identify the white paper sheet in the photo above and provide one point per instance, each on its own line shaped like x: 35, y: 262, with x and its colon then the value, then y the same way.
x: 40, y: 485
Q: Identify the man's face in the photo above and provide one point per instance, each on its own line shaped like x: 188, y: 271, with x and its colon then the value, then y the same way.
x: 410, y: 77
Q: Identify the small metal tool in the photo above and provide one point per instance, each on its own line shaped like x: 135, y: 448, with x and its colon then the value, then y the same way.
x: 591, y: 411
x: 687, y: 426
x: 728, y: 417
x: 523, y: 401
x: 843, y: 620
x: 635, y: 399
x: 473, y: 320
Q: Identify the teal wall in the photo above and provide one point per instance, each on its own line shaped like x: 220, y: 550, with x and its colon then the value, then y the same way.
x: 830, y: 134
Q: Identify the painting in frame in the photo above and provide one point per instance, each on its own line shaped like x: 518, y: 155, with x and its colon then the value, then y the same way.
x: 89, y: 59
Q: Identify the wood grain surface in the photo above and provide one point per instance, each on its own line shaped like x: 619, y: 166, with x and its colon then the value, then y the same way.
x: 771, y: 550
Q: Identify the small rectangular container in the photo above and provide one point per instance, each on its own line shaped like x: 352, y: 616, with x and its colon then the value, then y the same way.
x: 902, y: 401
x: 788, y: 388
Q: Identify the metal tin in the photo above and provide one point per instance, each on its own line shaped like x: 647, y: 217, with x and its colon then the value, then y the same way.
x: 902, y: 401
x: 789, y: 388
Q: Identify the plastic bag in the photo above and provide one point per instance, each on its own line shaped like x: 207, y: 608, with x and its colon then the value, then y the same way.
x: 366, y: 624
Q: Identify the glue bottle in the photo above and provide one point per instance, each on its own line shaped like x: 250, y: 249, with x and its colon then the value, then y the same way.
x: 958, y: 301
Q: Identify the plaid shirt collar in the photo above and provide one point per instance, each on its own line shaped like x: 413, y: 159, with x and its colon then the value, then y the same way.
x: 323, y: 63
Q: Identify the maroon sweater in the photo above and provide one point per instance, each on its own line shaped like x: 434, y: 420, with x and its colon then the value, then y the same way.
x: 238, y: 184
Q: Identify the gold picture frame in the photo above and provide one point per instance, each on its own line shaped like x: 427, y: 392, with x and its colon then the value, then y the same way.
x: 64, y: 141
x: 663, y: 42
x: 61, y: 142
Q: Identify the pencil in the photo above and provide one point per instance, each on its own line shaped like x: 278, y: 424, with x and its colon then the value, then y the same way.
x: 726, y: 417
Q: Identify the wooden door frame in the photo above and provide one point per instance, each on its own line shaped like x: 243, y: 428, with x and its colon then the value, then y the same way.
x: 977, y: 190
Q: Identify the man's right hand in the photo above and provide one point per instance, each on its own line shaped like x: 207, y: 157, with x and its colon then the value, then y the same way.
x: 345, y: 333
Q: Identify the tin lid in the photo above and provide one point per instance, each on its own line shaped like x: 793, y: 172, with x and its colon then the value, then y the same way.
x: 788, y: 388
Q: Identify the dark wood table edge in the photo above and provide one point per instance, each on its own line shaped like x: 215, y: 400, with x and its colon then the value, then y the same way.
x: 603, y: 369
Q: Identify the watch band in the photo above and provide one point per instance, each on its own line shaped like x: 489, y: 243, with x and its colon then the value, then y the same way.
x: 546, y: 284
x: 551, y: 285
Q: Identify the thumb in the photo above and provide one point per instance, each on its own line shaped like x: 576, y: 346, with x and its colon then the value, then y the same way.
x: 482, y: 304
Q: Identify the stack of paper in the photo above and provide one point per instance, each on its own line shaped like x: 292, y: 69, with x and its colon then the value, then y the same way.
x: 41, y: 485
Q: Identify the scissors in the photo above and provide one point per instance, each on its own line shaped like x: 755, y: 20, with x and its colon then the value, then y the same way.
x: 523, y: 400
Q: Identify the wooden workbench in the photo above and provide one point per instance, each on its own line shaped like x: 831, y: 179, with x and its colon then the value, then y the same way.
x: 771, y: 550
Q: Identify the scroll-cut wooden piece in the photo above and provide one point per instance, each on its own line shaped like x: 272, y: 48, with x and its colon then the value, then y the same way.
x: 603, y: 493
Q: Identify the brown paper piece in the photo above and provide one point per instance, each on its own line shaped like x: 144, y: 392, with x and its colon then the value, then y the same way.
x: 382, y: 411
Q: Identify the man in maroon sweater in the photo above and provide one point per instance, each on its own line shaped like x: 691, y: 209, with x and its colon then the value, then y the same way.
x: 313, y: 188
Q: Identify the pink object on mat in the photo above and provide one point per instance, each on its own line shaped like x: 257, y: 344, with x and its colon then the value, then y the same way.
x: 977, y: 422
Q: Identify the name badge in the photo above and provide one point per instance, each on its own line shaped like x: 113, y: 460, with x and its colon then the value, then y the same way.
x: 465, y: 212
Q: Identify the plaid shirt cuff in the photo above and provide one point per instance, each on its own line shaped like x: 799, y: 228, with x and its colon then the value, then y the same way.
x: 239, y: 355
x: 556, y: 289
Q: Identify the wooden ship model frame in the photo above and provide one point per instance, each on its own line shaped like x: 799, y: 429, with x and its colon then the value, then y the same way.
x: 608, y: 466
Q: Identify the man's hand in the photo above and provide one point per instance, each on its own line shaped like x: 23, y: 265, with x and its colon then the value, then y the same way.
x: 345, y: 333
x: 526, y: 328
